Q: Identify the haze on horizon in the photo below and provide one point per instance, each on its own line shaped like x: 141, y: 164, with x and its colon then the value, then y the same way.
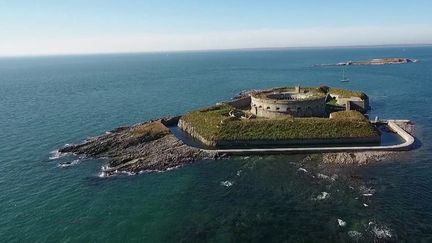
x: 49, y: 27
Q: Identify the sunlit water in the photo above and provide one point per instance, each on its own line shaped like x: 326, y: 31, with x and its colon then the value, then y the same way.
x: 46, y: 102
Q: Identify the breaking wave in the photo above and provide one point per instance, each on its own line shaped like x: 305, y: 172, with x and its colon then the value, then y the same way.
x: 69, y: 163
x: 107, y: 171
x: 341, y: 223
x: 227, y: 183
x: 326, y: 177
x: 56, y: 154
x: 380, y: 231
x: 322, y: 196
x: 366, y: 190
x: 302, y: 170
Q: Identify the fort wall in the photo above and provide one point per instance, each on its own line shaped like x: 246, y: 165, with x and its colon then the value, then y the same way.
x: 272, y: 108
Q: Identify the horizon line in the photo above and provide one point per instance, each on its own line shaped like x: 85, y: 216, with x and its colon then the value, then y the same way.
x: 219, y: 50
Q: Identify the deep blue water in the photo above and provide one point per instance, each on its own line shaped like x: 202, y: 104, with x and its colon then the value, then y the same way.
x: 46, y: 102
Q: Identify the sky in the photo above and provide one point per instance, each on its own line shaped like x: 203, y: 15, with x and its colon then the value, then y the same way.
x: 50, y: 27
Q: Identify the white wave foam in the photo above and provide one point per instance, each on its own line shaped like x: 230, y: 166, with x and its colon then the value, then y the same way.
x: 341, y: 223
x: 239, y: 172
x: 56, y: 154
x: 144, y: 171
x: 381, y: 232
x: 173, y: 168
x: 68, y: 164
x: 159, y: 171
x: 227, y: 183
x: 103, y: 174
x: 106, y: 171
x: 322, y: 176
x: 366, y: 190
x: 354, y: 234
x: 127, y: 173
x: 302, y: 170
x: 322, y: 196
x: 326, y: 177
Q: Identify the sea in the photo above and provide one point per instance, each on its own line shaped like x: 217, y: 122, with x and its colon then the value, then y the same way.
x: 47, y: 102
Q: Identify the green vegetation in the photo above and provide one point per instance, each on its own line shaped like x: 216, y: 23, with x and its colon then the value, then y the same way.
x: 347, y: 93
x: 332, y: 101
x: 214, y: 124
x: 299, y: 128
x: 348, y: 115
x: 208, y: 121
x: 152, y: 130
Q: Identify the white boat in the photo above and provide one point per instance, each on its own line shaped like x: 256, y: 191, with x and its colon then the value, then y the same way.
x: 344, y: 79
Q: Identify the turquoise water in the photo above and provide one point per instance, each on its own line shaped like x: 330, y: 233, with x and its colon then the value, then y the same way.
x: 46, y: 102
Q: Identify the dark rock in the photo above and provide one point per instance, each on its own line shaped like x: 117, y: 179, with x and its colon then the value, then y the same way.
x: 143, y: 147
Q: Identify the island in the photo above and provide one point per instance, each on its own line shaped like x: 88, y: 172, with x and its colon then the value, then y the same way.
x: 277, y: 120
x: 375, y: 61
x: 284, y: 116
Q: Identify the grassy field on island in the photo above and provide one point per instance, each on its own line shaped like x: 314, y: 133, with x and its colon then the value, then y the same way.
x: 215, y: 124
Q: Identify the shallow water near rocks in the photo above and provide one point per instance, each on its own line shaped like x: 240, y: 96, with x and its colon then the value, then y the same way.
x: 46, y: 102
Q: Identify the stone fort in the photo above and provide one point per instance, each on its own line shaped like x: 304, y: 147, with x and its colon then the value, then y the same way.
x: 295, y: 102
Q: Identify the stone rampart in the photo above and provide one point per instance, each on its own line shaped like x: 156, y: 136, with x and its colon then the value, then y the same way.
x: 297, y: 142
x: 272, y: 108
x: 187, y: 127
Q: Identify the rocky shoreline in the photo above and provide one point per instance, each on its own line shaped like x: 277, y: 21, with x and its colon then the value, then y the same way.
x: 148, y: 146
x: 357, y: 158
x: 351, y: 158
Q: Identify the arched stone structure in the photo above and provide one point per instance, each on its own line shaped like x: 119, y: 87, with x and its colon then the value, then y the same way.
x: 272, y: 104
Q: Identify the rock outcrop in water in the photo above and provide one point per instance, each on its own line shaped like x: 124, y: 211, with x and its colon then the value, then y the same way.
x: 376, y: 61
x: 351, y: 158
x: 149, y: 146
x: 357, y: 158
